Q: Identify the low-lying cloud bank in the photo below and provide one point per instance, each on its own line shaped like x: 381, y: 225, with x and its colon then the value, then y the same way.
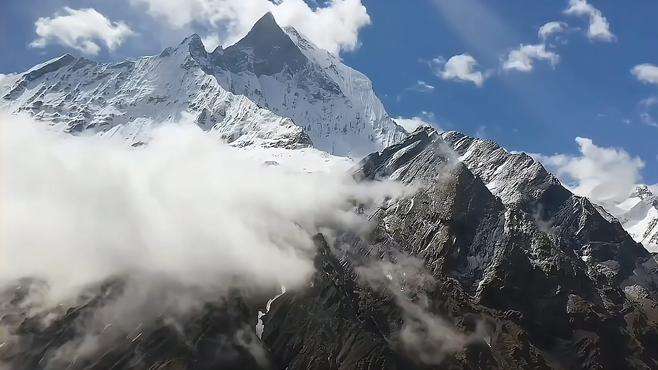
x: 77, y: 210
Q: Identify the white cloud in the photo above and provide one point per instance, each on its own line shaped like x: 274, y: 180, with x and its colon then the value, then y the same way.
x: 211, y: 42
x: 462, y: 67
x: 646, y: 107
x: 523, y: 58
x: 184, y: 207
x: 424, y: 118
x: 551, y: 28
x: 599, y: 27
x: 422, y: 87
x: 647, y: 73
x: 410, y: 124
x: 80, y: 29
x: 602, y: 174
x: 5, y: 77
x: 334, y: 26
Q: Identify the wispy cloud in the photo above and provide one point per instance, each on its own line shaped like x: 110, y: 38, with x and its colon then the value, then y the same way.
x: 599, y: 27
x: 523, y: 58
x: 424, y: 118
x: 421, y: 87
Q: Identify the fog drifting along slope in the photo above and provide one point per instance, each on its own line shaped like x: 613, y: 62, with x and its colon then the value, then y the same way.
x: 182, y: 206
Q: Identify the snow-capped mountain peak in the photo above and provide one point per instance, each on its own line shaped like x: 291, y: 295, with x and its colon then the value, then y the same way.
x: 265, y: 50
x: 639, y: 215
x: 272, y: 88
x: 283, y: 71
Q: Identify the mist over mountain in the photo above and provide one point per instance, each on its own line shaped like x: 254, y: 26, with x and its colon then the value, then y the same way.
x: 255, y: 207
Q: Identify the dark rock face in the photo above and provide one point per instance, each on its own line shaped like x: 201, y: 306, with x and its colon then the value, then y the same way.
x: 451, y: 276
x: 541, y: 302
x: 216, y: 335
x: 265, y: 50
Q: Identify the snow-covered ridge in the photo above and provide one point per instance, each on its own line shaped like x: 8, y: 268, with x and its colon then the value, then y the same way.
x: 272, y: 89
x: 283, y: 71
x: 517, y: 178
x: 639, y: 216
x: 126, y: 99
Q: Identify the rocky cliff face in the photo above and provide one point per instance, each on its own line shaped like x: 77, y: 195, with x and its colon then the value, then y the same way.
x: 553, y: 295
x: 450, y: 276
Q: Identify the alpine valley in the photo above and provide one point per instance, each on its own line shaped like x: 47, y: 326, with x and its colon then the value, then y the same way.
x: 490, y: 263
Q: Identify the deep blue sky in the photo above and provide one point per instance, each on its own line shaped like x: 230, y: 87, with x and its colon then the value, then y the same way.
x: 590, y: 93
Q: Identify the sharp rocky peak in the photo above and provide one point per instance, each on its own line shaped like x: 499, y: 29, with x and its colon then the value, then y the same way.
x: 265, y: 50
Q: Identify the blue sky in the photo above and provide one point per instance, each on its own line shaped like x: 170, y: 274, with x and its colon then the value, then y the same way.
x: 589, y: 93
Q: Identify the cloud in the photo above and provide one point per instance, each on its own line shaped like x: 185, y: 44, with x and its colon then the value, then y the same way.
x: 334, y: 26
x: 646, y: 106
x: 551, y: 28
x: 427, y: 337
x: 211, y: 42
x: 80, y: 29
x: 646, y: 73
x: 599, y: 27
x: 522, y: 59
x: 421, y: 87
x: 411, y: 124
x: 183, y: 207
x: 602, y: 174
x: 460, y: 67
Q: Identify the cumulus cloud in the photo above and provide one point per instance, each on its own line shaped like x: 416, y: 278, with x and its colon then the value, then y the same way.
x: 603, y: 174
x: 462, y: 67
x: 80, y: 29
x: 183, y: 207
x: 599, y: 27
x: 523, y: 58
x: 334, y: 26
x: 646, y: 73
x: 551, y: 28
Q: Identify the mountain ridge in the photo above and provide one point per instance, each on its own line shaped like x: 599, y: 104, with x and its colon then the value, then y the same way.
x: 324, y: 103
x: 490, y: 262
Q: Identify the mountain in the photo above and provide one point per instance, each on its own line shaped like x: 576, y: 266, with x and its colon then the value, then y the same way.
x: 487, y: 261
x: 639, y: 216
x: 272, y: 88
x: 335, y: 104
x: 449, y: 276
x: 129, y: 98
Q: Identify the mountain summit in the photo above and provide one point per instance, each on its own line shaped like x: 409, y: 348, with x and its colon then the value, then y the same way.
x: 265, y: 50
x: 485, y: 261
x: 272, y: 88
